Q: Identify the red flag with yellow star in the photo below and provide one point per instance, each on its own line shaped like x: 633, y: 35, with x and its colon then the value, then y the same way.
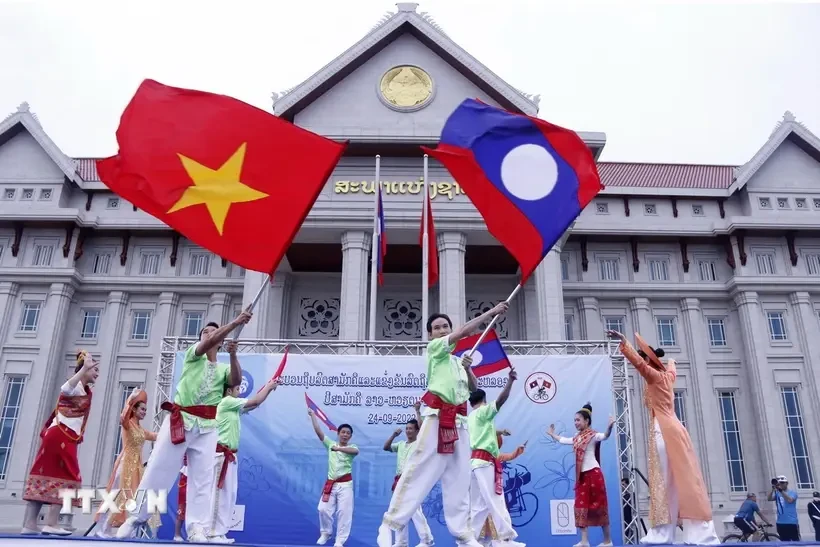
x: 230, y: 177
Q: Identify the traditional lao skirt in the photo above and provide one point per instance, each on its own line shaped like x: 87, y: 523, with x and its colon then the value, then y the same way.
x: 56, y: 467
x: 591, y: 507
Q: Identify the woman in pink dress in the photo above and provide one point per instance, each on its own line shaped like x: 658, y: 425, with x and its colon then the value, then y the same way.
x: 677, y: 492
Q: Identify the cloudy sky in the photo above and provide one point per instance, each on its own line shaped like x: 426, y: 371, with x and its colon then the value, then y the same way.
x: 666, y: 83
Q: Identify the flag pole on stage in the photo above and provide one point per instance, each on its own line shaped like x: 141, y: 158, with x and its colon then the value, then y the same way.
x: 253, y: 303
x: 425, y: 253
x: 374, y: 251
x: 492, y: 323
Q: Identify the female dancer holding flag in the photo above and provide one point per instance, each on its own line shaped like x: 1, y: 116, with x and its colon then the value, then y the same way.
x: 591, y: 507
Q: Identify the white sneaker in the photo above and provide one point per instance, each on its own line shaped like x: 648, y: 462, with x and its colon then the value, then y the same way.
x: 55, y: 531
x: 29, y: 532
x: 581, y: 544
x: 219, y: 539
x: 322, y: 539
x: 197, y: 537
x: 178, y: 539
x: 385, y: 537
x: 127, y: 529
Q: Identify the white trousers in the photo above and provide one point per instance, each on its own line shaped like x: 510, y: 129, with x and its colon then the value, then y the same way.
x: 695, y: 532
x: 422, y: 528
x: 422, y: 470
x: 223, y: 500
x: 339, y: 504
x: 485, y: 502
x: 104, y: 522
x: 163, y: 469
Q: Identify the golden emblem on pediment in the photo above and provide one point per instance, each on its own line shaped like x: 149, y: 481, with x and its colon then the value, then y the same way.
x: 406, y: 87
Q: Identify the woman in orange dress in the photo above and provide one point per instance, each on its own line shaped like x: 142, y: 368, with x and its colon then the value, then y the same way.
x: 488, y: 532
x: 128, y: 468
x: 677, y: 492
x: 56, y: 466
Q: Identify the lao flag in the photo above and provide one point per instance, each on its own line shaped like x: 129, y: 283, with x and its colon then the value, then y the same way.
x: 380, y: 246
x: 529, y: 179
x: 488, y: 358
x: 319, y: 413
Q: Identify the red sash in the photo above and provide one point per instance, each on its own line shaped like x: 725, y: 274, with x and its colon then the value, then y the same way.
x: 71, y: 407
x: 206, y: 412
x: 230, y: 457
x: 579, y: 444
x: 395, y: 482
x: 329, y: 485
x: 447, y: 431
x: 483, y: 455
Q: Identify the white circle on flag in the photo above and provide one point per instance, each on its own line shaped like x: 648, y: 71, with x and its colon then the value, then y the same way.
x: 529, y: 172
x: 477, y: 358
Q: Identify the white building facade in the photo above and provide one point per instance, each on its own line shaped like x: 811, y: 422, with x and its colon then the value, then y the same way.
x: 719, y: 265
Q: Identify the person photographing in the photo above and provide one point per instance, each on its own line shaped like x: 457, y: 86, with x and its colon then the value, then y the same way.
x: 786, y: 501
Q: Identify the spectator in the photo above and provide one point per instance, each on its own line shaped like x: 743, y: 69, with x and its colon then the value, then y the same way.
x: 745, y: 517
x: 814, y: 514
x: 786, y: 501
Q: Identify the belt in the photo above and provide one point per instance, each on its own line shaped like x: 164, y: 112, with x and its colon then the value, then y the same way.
x: 483, y: 455
x: 447, y: 431
x: 230, y: 457
x: 207, y: 412
x: 329, y: 485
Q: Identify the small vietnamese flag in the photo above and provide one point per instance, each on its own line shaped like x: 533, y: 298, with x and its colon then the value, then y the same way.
x: 230, y: 177
x: 279, y: 370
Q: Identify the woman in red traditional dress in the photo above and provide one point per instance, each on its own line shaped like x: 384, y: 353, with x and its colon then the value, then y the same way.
x: 56, y: 466
x: 488, y: 532
x: 128, y: 468
x: 591, y: 507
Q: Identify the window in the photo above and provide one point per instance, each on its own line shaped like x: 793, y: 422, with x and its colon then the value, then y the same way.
x: 609, y: 269
x: 28, y: 193
x: 813, y: 263
x: 43, y: 253
x: 30, y: 317
x: 125, y: 391
x: 707, y: 270
x: 765, y: 263
x: 568, y: 320
x: 782, y: 203
x: 91, y: 324
x: 8, y: 193
x: 717, y: 333
x: 141, y: 325
x: 12, y: 399
x: 797, y: 437
x: 149, y: 263
x: 602, y: 208
x: 113, y: 203
x: 200, y: 264
x: 680, y: 407
x: 666, y: 331
x: 697, y: 210
x: 191, y: 323
x: 650, y: 209
x: 800, y: 203
x: 45, y: 194
x: 565, y: 269
x: 731, y: 441
x: 765, y: 203
x: 614, y: 323
x: 659, y: 270
x: 102, y: 263
x: 777, y: 326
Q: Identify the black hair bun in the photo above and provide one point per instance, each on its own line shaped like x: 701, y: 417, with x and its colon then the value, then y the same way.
x: 588, y: 406
x: 659, y: 352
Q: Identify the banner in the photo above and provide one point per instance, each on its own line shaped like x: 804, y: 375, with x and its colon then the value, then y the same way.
x: 283, y: 465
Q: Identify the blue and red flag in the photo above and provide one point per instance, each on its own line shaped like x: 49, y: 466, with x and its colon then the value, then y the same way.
x: 528, y: 178
x: 488, y: 358
x: 319, y: 413
x: 380, y: 245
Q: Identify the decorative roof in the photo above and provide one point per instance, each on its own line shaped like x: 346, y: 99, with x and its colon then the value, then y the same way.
x: 389, y: 24
x: 23, y: 116
x: 613, y: 174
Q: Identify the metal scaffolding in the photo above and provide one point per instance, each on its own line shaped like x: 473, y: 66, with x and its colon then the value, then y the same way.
x: 620, y: 382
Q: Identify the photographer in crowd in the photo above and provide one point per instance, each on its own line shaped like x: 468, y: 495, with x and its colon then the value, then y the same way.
x: 786, y: 501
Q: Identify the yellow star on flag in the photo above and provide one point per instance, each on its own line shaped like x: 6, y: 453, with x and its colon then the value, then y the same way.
x: 216, y: 189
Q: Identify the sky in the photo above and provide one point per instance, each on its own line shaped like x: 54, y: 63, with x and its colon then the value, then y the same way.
x: 684, y: 83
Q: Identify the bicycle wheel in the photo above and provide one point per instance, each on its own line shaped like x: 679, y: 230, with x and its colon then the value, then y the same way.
x: 733, y: 538
x: 770, y: 537
x: 529, y: 507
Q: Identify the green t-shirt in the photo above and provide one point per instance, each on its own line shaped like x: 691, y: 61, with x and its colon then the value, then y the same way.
x: 227, y: 420
x: 482, y: 432
x: 445, y: 376
x: 201, y: 383
x: 338, y: 463
x: 402, y: 449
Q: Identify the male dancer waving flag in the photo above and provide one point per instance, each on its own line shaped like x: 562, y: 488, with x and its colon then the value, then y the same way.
x: 443, y: 451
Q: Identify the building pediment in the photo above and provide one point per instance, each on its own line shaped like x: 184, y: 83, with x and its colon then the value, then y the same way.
x: 423, y: 28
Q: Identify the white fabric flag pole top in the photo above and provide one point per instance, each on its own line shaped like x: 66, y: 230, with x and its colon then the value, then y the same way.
x: 375, y: 249
x: 425, y: 255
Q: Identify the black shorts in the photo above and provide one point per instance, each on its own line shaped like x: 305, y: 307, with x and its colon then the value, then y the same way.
x: 745, y: 526
x: 788, y: 532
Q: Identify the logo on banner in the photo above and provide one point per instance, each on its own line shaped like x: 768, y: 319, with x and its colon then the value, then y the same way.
x: 562, y: 517
x: 540, y: 387
x: 246, y: 387
x: 157, y: 500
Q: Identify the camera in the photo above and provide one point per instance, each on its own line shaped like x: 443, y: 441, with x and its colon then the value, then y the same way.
x: 774, y: 482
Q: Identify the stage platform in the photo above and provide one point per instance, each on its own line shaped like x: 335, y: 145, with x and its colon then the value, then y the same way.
x: 80, y: 541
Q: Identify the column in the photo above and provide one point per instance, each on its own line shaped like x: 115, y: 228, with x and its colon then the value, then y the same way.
x: 641, y: 318
x: 808, y: 332
x: 766, y: 400
x: 452, y: 247
x: 218, y: 308
x: 549, y: 296
x: 278, y: 306
x: 703, y: 398
x: 642, y: 322
x: 106, y: 391
x: 353, y: 308
x: 8, y: 297
x: 590, y: 320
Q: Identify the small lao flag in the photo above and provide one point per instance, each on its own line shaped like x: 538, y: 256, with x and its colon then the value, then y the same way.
x: 380, y: 245
x: 529, y: 179
x: 488, y: 358
x: 319, y: 413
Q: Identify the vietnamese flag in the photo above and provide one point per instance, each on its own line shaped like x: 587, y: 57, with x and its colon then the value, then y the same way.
x: 230, y: 177
x: 432, y: 245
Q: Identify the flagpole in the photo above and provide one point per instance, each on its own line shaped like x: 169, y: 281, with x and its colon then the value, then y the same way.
x: 492, y: 323
x: 253, y: 303
x: 425, y: 254
x: 374, y: 251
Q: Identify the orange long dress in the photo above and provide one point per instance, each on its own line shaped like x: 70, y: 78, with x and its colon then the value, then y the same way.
x: 489, y: 531
x: 659, y: 398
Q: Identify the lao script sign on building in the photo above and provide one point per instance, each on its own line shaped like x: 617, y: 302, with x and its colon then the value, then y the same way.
x: 156, y: 500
